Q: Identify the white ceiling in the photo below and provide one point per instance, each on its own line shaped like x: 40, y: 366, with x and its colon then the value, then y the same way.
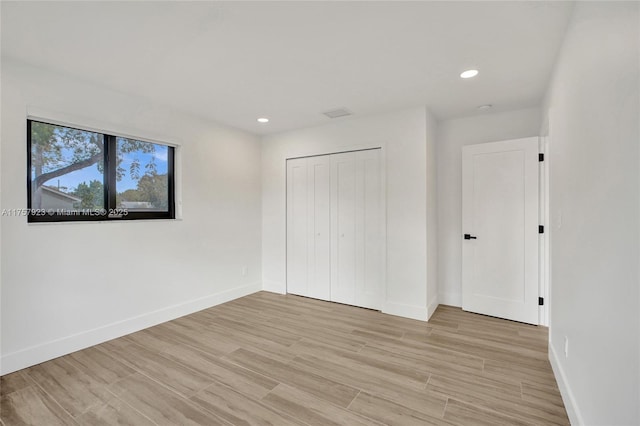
x: 290, y: 61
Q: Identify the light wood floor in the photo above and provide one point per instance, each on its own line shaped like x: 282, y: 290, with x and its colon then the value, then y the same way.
x: 282, y: 360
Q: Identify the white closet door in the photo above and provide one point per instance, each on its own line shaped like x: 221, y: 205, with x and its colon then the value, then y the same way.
x: 368, y: 230
x: 297, y: 228
x: 319, y: 201
x: 343, y: 225
x: 335, y: 228
x: 308, y: 221
x: 356, y: 224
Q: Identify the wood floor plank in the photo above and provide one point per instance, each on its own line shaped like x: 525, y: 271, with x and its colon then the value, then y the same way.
x: 311, y: 409
x: 390, y: 413
x: 215, y: 334
x: 539, y: 334
x: 320, y: 333
x: 544, y: 395
x: 502, y: 352
x: 315, y: 384
x: 439, y: 323
x: 99, y: 365
x: 495, y: 396
x: 162, y: 406
x: 363, y: 319
x: 386, y: 369
x: 247, y: 382
x: 32, y: 406
x: 541, y: 374
x: 74, y: 390
x: 208, y: 365
x: 461, y: 413
x: 479, y: 387
x: 418, y: 336
x: 461, y: 317
x: 429, y: 364
x: 504, y: 340
x: 259, y: 331
x: 170, y: 373
x: 189, y: 331
x: 114, y: 412
x: 420, y: 400
x: 14, y: 382
x: 430, y: 356
x: 301, y: 326
x: 237, y: 409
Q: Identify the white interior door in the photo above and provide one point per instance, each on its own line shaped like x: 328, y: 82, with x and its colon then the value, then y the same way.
x: 500, y: 226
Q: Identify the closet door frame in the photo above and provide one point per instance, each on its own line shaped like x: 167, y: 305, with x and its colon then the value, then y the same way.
x: 383, y: 209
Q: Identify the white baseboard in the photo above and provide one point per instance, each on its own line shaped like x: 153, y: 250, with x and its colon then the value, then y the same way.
x: 567, y: 395
x: 406, y: 311
x: 274, y: 287
x: 450, y: 299
x: 43, y: 352
x: 432, y: 308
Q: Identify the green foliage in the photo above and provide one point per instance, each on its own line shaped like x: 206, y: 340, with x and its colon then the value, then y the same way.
x: 131, y: 145
x: 56, y: 147
x: 92, y: 195
x: 151, y: 187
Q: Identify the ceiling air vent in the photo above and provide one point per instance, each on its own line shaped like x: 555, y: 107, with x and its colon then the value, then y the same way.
x: 335, y: 113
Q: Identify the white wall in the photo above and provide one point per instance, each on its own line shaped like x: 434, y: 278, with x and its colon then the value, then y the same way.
x: 1, y: 205
x: 403, y: 136
x: 452, y: 136
x: 432, y: 215
x: 68, y: 286
x: 594, y: 136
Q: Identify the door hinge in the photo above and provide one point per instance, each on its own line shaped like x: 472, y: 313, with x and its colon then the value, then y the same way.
x: 540, y: 229
x: 540, y: 301
x: 541, y: 157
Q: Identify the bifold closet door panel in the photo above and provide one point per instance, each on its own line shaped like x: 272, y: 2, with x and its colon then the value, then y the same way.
x: 308, y: 222
x: 318, y: 231
x: 369, y: 256
x: 297, y: 227
x: 356, y: 229
x: 343, y: 228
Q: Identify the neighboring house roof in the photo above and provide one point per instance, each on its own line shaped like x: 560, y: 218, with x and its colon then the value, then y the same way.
x: 60, y: 194
x: 136, y: 205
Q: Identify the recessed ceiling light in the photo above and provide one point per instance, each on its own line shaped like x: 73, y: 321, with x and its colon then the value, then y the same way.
x: 263, y: 120
x: 469, y: 73
x: 487, y: 106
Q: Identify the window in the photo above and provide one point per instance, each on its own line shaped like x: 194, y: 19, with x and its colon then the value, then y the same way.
x: 80, y: 175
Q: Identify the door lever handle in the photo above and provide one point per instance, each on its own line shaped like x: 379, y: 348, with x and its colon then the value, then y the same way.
x: 469, y: 237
